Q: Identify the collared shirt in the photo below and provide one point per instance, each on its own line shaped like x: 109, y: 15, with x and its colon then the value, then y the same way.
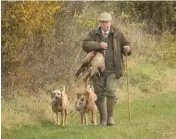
x: 107, y: 32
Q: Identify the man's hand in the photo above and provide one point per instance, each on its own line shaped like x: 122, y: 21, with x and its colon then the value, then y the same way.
x: 127, y: 49
x: 103, y: 45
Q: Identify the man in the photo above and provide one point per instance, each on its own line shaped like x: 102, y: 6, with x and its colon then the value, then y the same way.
x: 113, y: 42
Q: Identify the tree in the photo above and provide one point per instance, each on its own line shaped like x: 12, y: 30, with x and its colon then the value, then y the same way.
x: 20, y: 22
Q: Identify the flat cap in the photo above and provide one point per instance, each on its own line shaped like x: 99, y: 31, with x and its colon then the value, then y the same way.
x: 105, y: 17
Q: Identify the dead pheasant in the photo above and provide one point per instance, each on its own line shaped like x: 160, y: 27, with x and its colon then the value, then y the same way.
x: 92, y: 64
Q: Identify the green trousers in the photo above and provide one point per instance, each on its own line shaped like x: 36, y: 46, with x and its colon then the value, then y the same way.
x: 105, y: 86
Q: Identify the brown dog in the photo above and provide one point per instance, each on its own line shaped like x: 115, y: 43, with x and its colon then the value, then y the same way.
x: 86, y: 103
x: 60, y: 103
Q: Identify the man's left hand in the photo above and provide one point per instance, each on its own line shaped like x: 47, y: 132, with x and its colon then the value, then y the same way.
x: 127, y: 48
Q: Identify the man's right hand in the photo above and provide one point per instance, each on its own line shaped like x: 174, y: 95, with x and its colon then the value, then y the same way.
x: 103, y: 45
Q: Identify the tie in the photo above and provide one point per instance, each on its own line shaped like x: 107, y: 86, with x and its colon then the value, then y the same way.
x: 105, y: 34
x: 105, y: 38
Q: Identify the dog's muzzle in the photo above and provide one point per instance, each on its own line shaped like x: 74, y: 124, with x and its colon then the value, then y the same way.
x: 80, y: 105
x: 57, y: 101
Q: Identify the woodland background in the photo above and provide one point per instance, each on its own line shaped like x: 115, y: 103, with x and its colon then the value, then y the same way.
x: 41, y: 50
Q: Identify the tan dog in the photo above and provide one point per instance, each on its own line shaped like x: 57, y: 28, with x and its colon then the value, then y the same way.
x: 86, y: 103
x: 60, y: 103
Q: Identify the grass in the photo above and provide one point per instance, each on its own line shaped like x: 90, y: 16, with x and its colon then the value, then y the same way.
x: 153, y: 114
x: 152, y: 118
x: 24, y: 110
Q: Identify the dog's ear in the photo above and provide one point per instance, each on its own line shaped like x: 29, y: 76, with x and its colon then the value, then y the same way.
x: 89, y: 89
x: 51, y: 94
x: 87, y: 94
x: 77, y: 94
x: 61, y: 94
x: 75, y: 103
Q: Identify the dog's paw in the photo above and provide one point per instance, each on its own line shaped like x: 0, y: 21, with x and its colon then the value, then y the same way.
x: 56, y: 123
x: 63, y: 124
x: 93, y: 122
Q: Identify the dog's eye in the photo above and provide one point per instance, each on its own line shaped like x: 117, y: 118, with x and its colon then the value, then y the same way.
x: 82, y: 99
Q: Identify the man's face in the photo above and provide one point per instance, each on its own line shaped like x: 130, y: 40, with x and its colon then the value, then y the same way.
x: 105, y: 25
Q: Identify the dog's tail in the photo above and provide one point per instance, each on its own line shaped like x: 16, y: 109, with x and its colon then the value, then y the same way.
x: 63, y: 89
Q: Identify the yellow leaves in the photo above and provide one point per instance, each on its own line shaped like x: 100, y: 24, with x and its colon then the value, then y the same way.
x: 87, y: 23
x: 125, y: 15
x: 6, y: 25
x: 53, y: 9
x: 30, y: 16
x: 21, y: 21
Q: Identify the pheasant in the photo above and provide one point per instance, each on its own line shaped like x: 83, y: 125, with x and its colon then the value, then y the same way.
x: 92, y: 64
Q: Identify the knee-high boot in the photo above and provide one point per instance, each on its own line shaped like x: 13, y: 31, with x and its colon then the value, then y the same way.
x: 102, y: 108
x: 110, y: 111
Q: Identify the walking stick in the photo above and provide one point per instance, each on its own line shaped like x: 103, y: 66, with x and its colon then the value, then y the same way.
x: 126, y: 66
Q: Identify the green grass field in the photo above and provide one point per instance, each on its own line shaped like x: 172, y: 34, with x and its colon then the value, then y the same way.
x: 152, y: 118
